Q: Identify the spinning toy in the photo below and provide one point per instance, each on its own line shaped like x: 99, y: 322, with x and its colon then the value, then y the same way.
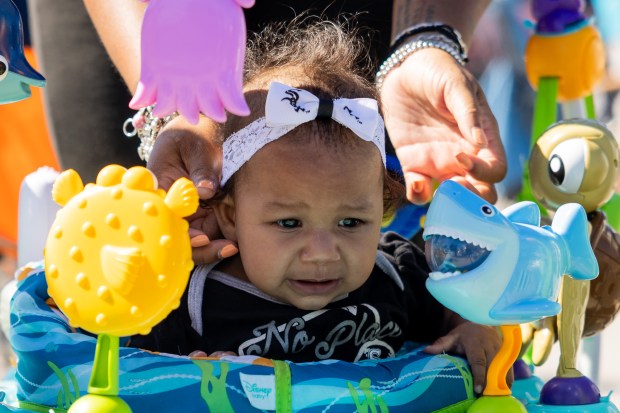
x: 16, y: 74
x: 192, y: 58
x: 564, y: 59
x: 117, y: 261
x: 578, y: 161
x: 502, y: 269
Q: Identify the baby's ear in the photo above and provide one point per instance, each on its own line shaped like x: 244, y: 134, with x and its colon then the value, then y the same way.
x: 225, y: 214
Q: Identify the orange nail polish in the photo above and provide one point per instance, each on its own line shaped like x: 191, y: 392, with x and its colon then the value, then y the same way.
x: 199, y: 241
x: 227, y: 251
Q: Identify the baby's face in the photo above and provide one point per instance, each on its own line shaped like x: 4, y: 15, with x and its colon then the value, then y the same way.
x: 308, y: 220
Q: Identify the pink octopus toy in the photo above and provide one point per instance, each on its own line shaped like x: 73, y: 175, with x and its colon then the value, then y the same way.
x: 192, y: 58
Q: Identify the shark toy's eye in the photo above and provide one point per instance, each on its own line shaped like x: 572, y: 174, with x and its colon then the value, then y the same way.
x: 566, y: 165
x: 4, y: 68
x: 487, y: 210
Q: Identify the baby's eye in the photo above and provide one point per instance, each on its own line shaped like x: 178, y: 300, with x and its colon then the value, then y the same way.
x: 349, y: 222
x: 288, y: 223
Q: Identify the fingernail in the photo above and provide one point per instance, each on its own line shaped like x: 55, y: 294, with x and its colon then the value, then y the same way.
x: 479, y: 137
x: 199, y: 241
x: 197, y: 354
x: 418, y: 186
x: 217, y: 354
x: 206, y: 189
x: 478, y: 389
x: 227, y: 251
x: 464, y: 161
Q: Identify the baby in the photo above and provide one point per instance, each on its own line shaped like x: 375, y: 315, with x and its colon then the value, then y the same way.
x: 304, y: 192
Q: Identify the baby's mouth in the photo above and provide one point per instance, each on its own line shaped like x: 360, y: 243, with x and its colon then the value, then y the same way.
x: 313, y: 287
x: 450, y: 257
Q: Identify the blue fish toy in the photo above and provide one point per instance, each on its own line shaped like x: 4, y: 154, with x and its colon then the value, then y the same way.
x: 502, y: 268
x: 16, y: 74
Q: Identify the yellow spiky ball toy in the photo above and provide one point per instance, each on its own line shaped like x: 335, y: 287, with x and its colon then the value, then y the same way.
x: 118, y: 257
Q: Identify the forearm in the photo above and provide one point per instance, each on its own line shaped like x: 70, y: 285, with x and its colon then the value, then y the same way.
x: 463, y: 15
x: 119, y: 23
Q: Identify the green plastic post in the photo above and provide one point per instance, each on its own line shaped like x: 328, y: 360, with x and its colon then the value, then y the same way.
x: 545, y: 107
x: 103, y: 385
x: 104, y: 378
x: 545, y: 114
x: 589, y: 104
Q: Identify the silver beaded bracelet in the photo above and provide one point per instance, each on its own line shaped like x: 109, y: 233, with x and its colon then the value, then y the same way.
x: 146, y: 126
x: 435, y: 41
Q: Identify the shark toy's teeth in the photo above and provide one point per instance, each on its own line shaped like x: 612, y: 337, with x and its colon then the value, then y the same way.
x: 437, y: 276
x: 452, y: 233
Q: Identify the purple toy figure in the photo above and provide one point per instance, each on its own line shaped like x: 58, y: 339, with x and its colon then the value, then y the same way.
x: 192, y: 58
x: 554, y: 16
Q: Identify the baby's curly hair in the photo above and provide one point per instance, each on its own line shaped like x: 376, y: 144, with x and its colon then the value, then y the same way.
x: 327, y: 58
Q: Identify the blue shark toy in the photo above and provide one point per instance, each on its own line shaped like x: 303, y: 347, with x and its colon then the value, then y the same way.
x: 16, y: 74
x: 499, y: 269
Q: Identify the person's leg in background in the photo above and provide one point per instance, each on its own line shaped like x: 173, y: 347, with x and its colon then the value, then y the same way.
x: 85, y: 98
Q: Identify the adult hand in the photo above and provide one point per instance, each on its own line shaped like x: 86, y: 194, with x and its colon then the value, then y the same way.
x: 186, y: 150
x: 441, y: 126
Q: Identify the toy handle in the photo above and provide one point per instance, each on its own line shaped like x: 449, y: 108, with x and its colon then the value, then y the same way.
x: 102, y: 394
x: 104, y: 377
x: 503, y: 360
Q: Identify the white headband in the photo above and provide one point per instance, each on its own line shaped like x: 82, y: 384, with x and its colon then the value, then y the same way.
x: 286, y: 108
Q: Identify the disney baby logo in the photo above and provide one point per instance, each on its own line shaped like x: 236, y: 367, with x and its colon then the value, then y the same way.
x: 259, y: 390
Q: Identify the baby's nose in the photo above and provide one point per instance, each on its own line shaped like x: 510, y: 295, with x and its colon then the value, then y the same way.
x: 320, y: 247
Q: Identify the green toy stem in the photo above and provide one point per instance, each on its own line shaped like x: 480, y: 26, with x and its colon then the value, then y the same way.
x: 545, y: 107
x: 545, y: 114
x: 589, y: 103
x: 102, y: 394
x: 104, y: 377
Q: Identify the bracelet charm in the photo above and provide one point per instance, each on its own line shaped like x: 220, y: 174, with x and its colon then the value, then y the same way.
x: 146, y: 126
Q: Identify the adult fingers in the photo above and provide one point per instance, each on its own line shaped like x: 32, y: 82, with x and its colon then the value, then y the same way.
x: 197, y: 238
x: 483, y: 166
x: 482, y: 189
x: 202, y: 157
x: 494, y: 155
x: 418, y: 188
x: 213, y: 251
x: 186, y: 150
x: 461, y: 98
